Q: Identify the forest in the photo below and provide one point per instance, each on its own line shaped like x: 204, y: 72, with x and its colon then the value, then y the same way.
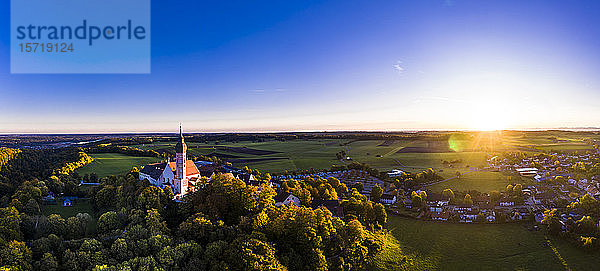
x: 224, y: 225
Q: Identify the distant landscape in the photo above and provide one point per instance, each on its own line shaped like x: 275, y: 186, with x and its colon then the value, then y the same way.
x: 462, y: 162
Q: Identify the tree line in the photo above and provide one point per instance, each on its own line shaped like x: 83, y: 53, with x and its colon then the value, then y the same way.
x: 225, y: 224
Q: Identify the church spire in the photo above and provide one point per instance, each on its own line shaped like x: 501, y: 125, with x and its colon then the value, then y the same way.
x: 180, y: 147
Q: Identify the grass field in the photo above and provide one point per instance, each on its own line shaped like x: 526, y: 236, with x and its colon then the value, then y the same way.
x: 444, y: 246
x: 106, y: 164
x: 321, y: 154
x: 482, y: 181
x: 79, y: 206
x: 471, y: 149
x: 410, y: 155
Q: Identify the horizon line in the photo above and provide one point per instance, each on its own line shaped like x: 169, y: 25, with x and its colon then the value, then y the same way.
x: 572, y: 129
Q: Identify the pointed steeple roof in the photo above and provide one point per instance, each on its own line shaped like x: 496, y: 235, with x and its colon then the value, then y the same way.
x: 180, y: 147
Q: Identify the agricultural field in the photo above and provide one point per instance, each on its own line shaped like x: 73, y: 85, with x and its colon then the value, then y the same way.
x: 472, y: 149
x: 432, y: 245
x: 467, y: 150
x: 106, y: 164
x: 278, y: 156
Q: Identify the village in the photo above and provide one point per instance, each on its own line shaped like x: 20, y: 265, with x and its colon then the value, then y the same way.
x: 553, y: 185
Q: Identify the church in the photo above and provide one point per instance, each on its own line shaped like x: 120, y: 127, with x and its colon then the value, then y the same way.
x: 177, y: 175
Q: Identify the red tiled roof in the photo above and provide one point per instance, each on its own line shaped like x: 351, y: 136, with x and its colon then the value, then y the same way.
x: 440, y: 215
x: 190, y: 168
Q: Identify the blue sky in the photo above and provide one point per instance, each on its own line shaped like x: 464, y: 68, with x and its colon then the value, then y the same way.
x: 331, y: 65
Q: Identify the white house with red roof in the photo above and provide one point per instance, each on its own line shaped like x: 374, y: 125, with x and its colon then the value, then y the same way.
x: 176, y: 174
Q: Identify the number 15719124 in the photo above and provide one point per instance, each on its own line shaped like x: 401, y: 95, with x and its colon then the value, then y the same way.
x: 35, y: 47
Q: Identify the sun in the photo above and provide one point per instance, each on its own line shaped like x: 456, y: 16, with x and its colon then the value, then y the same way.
x: 488, y: 116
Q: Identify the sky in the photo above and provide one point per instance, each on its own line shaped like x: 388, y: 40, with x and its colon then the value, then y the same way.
x: 262, y: 66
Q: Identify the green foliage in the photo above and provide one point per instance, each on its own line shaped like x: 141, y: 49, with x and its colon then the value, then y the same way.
x: 6, y: 155
x: 448, y: 194
x: 10, y: 221
x: 417, y: 200
x: 552, y: 221
x: 468, y: 199
x: 109, y: 221
x: 15, y: 256
x: 225, y: 225
x: 376, y: 193
x: 83, y: 160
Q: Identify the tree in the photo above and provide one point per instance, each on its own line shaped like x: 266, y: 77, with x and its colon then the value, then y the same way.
x: 109, y: 221
x: 48, y: 263
x: 358, y: 185
x: 376, y: 193
x: 448, y: 194
x: 417, y: 201
x: 253, y: 254
x: 199, y: 228
x: 119, y: 250
x: 85, y: 221
x: 32, y: 207
x: 10, y: 221
x: 380, y: 214
x: 588, y: 242
x: 495, y: 196
x: 73, y: 228
x: 468, y: 199
x: 518, y: 189
x: 587, y: 226
x: 58, y: 225
x: 423, y: 195
x: 15, y: 256
x: 154, y: 223
x: 552, y: 221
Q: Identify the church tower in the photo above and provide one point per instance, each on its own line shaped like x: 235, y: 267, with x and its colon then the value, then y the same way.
x: 180, y: 157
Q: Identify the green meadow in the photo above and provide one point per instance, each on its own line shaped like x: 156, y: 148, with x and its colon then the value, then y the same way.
x: 430, y: 245
x: 467, y: 150
x: 106, y: 164
x: 483, y: 181
x: 79, y: 206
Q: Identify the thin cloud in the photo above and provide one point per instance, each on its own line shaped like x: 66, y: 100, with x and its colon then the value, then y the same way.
x: 264, y: 91
x: 398, y: 67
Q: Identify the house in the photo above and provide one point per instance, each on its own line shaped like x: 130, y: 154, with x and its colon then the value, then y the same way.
x: 332, y: 205
x: 207, y: 170
x: 387, y: 199
x: 285, y: 198
x: 436, y: 208
x: 395, y: 173
x: 248, y: 179
x: 490, y: 217
x: 481, y: 199
x: 469, y: 216
x: 49, y: 199
x: 527, y: 172
x: 67, y: 202
x: 436, y: 199
x: 463, y: 208
x: 440, y: 216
